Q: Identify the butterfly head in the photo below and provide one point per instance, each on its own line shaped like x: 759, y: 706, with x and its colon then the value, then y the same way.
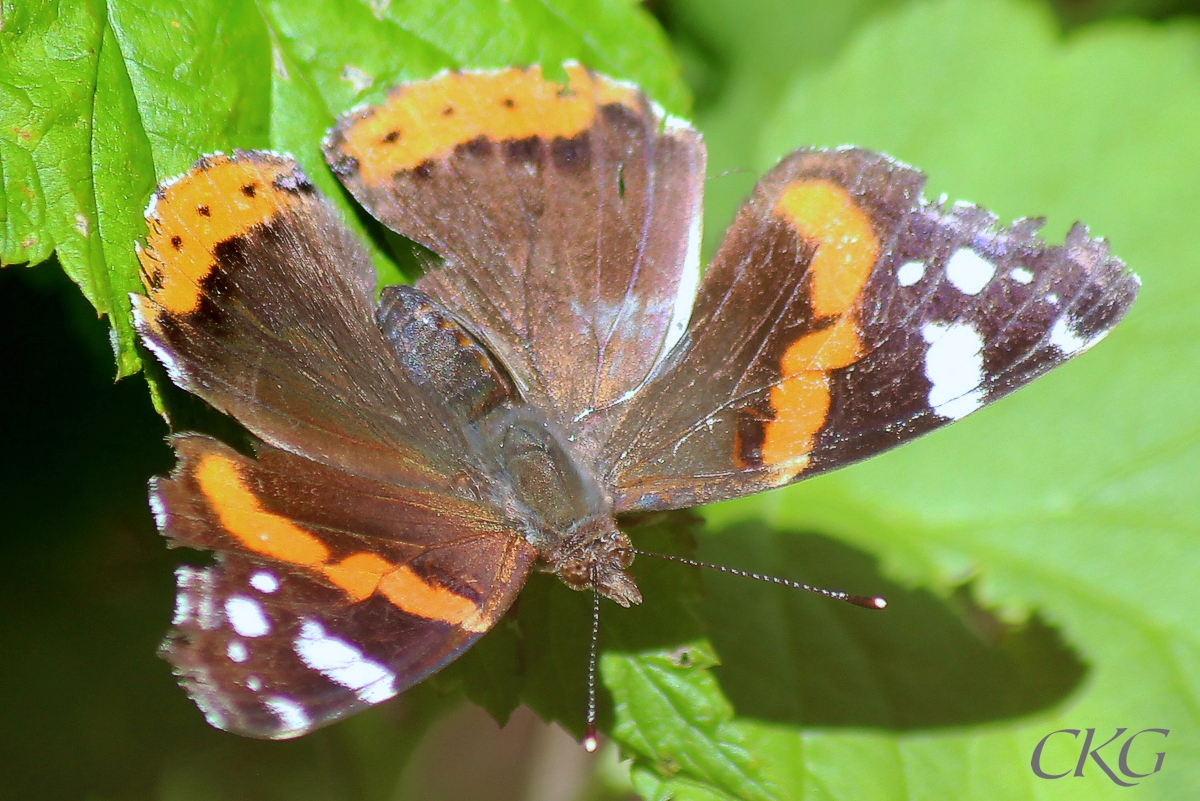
x: 595, y: 557
x: 560, y: 503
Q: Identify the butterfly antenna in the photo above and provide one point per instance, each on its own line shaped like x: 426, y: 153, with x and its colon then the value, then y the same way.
x: 872, y: 602
x: 590, y: 741
x: 727, y: 173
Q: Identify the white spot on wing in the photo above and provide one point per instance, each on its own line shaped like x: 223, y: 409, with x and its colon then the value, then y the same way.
x: 246, y: 616
x: 1021, y: 275
x: 910, y: 273
x: 968, y: 271
x: 1052, y: 299
x: 341, y: 662
x: 254, y: 684
x: 236, y: 651
x: 193, y: 583
x: 290, y: 714
x: 264, y: 582
x: 954, y: 367
x: 1065, y: 339
x: 183, y: 608
x: 689, y: 280
x: 157, y: 509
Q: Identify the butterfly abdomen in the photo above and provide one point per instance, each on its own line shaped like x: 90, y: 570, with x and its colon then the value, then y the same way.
x: 438, y: 353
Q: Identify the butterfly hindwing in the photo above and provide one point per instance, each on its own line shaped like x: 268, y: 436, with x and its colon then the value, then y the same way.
x: 568, y: 216
x: 330, y: 592
x: 844, y: 314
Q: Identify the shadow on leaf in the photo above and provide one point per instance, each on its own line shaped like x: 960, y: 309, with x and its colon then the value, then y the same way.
x: 924, y: 662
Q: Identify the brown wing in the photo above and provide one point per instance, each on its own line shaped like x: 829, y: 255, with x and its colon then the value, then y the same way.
x: 261, y: 303
x: 364, y: 547
x: 331, y: 592
x: 843, y: 315
x: 568, y: 216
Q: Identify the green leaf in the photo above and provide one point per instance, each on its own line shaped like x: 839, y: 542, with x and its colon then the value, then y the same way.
x: 681, y: 727
x: 744, y: 54
x: 927, y: 662
x: 99, y: 102
x: 1072, y: 505
x: 1074, y: 12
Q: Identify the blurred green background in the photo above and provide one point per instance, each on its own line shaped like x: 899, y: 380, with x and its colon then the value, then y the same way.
x: 808, y: 701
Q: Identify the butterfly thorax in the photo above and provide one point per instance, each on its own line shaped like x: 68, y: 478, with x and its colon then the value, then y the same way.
x: 561, y: 504
x: 546, y: 485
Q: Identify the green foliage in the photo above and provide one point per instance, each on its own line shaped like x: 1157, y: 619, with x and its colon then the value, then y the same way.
x: 741, y: 54
x: 673, y: 716
x: 1040, y: 558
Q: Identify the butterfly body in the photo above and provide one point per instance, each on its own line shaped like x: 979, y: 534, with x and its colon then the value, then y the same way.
x: 547, y: 487
x: 568, y: 513
x: 416, y: 457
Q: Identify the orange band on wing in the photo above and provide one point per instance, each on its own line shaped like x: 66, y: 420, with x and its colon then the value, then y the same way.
x: 244, y: 517
x: 414, y: 595
x: 427, y: 119
x: 847, y: 247
x: 220, y: 198
x: 359, y: 575
x: 801, y: 400
x: 824, y: 350
x: 800, y: 405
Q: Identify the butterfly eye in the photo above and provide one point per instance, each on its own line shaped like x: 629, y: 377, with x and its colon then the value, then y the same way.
x: 575, y: 574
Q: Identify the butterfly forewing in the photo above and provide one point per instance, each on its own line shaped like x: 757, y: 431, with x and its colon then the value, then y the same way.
x: 568, y: 215
x: 843, y: 315
x: 261, y: 302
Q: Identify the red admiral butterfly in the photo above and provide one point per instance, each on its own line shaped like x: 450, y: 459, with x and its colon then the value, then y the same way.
x: 566, y: 363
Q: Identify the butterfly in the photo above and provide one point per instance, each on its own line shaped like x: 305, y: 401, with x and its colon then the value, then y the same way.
x: 415, y: 457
